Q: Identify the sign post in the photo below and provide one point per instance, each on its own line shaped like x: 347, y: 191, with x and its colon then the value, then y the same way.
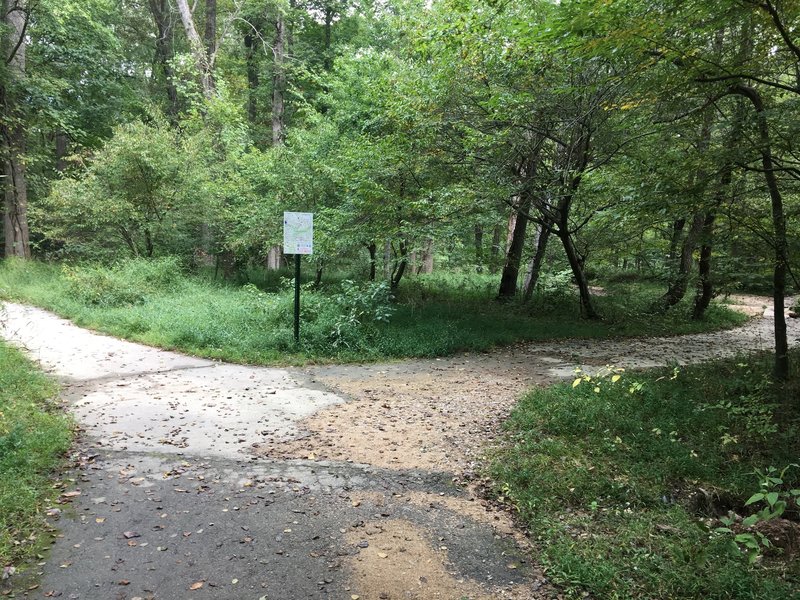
x: 298, y: 239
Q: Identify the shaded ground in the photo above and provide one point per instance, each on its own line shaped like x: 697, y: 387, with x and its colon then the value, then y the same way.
x: 200, y: 479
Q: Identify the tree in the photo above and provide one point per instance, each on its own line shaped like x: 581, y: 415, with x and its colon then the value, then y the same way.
x: 12, y: 128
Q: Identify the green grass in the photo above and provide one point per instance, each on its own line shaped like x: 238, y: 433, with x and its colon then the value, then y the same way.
x: 433, y: 316
x: 619, y: 485
x: 33, y: 437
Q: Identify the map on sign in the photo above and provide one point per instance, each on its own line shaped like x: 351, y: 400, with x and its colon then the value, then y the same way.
x: 298, y: 233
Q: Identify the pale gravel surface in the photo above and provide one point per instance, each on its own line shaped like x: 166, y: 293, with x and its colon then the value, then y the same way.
x: 349, y: 488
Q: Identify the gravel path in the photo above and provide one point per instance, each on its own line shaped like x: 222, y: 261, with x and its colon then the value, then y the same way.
x: 199, y: 479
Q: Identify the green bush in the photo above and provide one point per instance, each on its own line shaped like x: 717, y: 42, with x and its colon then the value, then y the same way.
x: 127, y: 282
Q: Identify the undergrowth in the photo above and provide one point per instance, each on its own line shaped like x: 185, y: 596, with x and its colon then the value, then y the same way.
x: 623, y: 479
x: 155, y: 302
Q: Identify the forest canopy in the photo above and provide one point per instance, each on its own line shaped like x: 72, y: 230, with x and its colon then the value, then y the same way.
x: 656, y: 138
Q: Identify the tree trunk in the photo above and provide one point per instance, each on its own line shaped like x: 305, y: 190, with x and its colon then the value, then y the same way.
x: 400, y: 262
x: 327, y: 60
x: 279, y: 81
x: 274, y: 257
x: 62, y: 144
x: 202, y: 63
x: 508, y: 280
x: 680, y: 280
x: 318, y: 274
x: 576, y: 263
x: 705, y: 289
x: 535, y: 267
x: 675, y: 239
x: 779, y: 230
x: 373, y: 251
x: 494, y: 255
x: 210, y: 37
x: 252, y: 77
x: 426, y: 264
x: 15, y: 218
x: 478, y: 248
x: 159, y: 9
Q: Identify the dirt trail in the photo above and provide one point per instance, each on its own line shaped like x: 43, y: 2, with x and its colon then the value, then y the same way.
x: 204, y: 480
x: 439, y: 414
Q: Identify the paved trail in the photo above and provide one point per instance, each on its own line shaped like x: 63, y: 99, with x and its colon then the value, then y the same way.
x: 205, y: 480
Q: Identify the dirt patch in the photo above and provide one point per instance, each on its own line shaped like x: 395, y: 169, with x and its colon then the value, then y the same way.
x: 435, y: 416
x: 395, y: 560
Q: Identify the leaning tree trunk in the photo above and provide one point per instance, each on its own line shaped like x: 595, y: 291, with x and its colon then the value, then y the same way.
x: 535, y: 267
x: 778, y: 227
x: 15, y: 217
x: 201, y: 58
x: 508, y: 280
x: 401, y: 261
x: 680, y: 280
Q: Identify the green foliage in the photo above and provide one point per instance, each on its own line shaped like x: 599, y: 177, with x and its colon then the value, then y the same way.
x: 618, y: 480
x: 33, y: 437
x: 154, y: 302
x: 774, y: 499
x: 125, y: 283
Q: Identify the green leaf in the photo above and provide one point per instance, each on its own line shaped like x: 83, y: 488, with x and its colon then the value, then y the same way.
x: 754, y: 498
x: 751, y: 520
x: 772, y: 498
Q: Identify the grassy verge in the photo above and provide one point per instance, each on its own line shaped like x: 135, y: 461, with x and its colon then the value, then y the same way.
x: 33, y: 437
x: 432, y: 316
x: 622, y: 482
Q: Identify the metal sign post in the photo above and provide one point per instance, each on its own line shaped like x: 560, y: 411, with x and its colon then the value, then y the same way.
x: 298, y: 239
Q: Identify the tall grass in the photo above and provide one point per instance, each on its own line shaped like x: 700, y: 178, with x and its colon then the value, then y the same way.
x: 33, y: 437
x: 155, y: 303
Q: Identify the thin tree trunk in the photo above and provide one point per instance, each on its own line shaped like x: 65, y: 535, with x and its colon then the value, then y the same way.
x: 15, y: 218
x: 318, y: 274
x: 479, y: 247
x: 535, y: 267
x: 252, y: 77
x: 373, y: 251
x: 279, y: 81
x: 401, y: 261
x: 675, y: 240
x: 576, y: 264
x: 327, y: 60
x: 387, y: 259
x: 494, y: 255
x: 160, y: 11
x: 779, y: 230
x: 679, y: 283
x: 705, y: 288
x: 204, y: 67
